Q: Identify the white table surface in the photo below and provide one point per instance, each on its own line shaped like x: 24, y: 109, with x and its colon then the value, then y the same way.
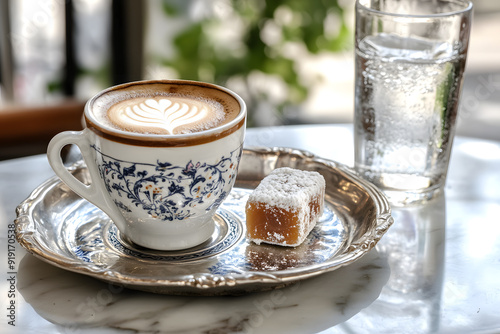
x: 437, y: 270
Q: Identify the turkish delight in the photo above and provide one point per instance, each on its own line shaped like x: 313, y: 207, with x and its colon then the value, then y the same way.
x: 285, y: 207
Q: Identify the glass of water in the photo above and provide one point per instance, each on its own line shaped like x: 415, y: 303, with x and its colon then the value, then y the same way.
x: 410, y: 61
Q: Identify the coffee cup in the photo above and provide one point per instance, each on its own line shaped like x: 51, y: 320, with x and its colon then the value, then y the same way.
x: 162, y: 155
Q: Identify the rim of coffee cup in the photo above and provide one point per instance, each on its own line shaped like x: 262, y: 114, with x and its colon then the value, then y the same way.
x: 468, y: 5
x: 184, y: 139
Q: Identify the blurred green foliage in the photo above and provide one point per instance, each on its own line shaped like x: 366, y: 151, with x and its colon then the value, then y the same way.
x: 201, y: 56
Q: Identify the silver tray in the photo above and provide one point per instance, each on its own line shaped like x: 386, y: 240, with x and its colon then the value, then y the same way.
x: 65, y: 230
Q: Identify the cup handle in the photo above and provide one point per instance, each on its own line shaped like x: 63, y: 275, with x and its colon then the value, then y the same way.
x: 95, y: 191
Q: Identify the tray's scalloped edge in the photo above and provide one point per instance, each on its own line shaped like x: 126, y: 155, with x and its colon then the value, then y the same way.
x: 25, y: 235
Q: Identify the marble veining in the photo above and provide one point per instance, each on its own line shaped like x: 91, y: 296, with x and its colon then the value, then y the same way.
x: 450, y: 287
x: 307, y: 306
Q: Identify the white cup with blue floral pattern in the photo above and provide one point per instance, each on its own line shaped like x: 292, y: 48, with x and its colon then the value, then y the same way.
x: 161, y: 165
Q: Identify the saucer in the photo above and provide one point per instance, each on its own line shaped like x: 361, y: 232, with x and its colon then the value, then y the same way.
x: 61, y: 228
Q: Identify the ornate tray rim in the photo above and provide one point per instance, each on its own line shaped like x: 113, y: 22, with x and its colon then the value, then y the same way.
x: 201, y: 282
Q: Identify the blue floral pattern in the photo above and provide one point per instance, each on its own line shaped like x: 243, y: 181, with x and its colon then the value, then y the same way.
x: 167, y: 191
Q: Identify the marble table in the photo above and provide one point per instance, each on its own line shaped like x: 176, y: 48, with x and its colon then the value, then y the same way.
x: 435, y: 271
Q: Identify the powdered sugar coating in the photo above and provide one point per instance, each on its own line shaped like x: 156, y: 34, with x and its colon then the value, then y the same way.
x: 288, y: 188
x: 285, y: 206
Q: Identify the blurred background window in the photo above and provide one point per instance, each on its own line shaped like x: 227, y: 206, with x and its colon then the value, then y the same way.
x: 291, y: 60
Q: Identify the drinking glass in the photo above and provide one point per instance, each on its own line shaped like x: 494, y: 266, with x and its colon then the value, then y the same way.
x: 410, y: 61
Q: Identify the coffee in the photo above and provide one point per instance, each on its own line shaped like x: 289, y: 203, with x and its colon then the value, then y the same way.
x: 174, y: 114
x: 161, y: 190
x: 165, y: 108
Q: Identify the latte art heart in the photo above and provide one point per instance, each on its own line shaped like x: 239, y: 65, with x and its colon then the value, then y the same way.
x: 165, y: 115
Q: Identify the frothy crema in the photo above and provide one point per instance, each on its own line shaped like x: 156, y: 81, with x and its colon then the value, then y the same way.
x: 168, y: 115
x: 147, y: 111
